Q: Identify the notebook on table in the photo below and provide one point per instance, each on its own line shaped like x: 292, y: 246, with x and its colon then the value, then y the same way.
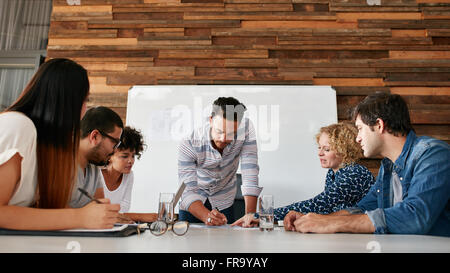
x: 117, y: 231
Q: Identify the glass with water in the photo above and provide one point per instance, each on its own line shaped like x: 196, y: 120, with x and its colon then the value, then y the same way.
x: 165, y: 210
x: 166, y: 218
x: 266, y: 212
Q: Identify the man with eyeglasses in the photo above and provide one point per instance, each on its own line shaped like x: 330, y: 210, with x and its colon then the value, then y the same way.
x: 101, y: 129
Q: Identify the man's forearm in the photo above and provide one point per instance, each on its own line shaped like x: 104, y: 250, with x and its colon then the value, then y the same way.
x: 316, y: 223
x: 142, y: 217
x: 199, y: 210
x: 359, y: 223
x: 250, y: 203
x: 340, y: 213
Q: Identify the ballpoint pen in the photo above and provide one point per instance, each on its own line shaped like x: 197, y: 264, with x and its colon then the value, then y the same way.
x: 215, y: 208
x: 209, y: 218
x: 85, y: 193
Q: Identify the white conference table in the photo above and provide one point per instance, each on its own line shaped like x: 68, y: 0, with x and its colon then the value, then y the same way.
x: 200, y: 239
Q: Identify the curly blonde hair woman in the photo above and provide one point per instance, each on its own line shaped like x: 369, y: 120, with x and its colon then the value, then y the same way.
x: 346, y: 183
x: 342, y: 140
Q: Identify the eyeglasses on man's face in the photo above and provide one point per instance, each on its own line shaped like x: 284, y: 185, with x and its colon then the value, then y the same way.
x: 116, y: 141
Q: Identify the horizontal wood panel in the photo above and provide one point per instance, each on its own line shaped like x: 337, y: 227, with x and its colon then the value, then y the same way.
x: 355, y: 16
x: 239, y: 73
x: 146, y: 55
x: 161, y: 23
x: 259, y: 7
x: 419, y: 54
x: 190, y: 62
x: 297, y: 24
x: 404, y: 24
x: 93, y: 41
x: 328, y: 54
x: 77, y: 34
x: 439, y: 92
x: 260, y: 16
x: 212, y: 54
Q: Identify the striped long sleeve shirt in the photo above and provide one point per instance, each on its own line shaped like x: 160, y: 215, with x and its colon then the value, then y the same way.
x: 211, y: 175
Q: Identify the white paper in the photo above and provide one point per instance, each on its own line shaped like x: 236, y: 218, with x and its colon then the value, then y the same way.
x: 116, y: 228
x: 203, y: 226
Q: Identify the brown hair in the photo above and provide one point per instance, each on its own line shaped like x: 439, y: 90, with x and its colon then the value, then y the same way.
x: 391, y: 108
x: 343, y: 141
x: 53, y: 100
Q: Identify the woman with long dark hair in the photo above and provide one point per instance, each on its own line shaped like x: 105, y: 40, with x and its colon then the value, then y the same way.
x: 39, y: 139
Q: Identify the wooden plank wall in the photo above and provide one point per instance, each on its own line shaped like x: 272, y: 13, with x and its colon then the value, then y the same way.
x: 356, y: 46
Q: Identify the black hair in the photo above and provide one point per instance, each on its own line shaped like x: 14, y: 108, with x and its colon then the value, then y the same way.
x: 100, y: 118
x: 53, y: 100
x: 229, y: 108
x: 132, y: 139
x: 391, y: 108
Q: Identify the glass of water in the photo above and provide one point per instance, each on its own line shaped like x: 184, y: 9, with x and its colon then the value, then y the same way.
x: 166, y: 218
x: 166, y: 209
x: 265, y: 212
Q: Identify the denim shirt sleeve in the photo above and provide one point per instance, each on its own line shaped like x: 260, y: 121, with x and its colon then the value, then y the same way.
x: 354, y: 210
x: 370, y: 201
x: 427, y: 197
x: 369, y: 205
x: 378, y: 220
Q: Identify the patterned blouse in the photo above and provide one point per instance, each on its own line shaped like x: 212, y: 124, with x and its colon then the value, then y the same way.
x: 343, y: 189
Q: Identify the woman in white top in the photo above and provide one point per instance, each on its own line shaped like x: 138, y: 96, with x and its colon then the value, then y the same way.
x: 118, y: 176
x: 39, y: 140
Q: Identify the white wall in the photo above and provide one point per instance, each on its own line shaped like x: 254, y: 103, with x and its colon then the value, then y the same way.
x: 286, y: 119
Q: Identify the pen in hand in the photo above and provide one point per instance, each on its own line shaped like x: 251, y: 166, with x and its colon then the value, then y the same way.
x: 223, y: 220
x: 85, y: 193
x: 121, y: 216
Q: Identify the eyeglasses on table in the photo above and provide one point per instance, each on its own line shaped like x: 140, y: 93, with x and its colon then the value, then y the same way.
x: 160, y: 227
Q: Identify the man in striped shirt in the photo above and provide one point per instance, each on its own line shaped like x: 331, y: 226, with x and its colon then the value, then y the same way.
x: 207, y: 163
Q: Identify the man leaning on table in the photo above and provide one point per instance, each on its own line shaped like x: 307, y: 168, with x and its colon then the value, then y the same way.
x: 207, y: 163
x: 412, y: 192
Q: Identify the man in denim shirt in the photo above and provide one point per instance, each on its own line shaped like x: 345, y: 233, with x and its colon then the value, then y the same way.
x: 412, y: 192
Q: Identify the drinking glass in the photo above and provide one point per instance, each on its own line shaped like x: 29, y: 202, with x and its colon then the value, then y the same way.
x: 166, y: 220
x: 166, y: 209
x: 266, y: 212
